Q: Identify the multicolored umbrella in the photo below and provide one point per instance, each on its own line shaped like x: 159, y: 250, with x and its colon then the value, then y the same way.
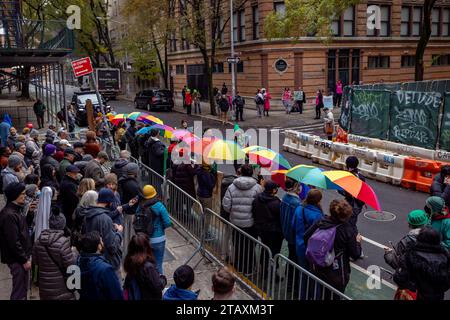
x: 224, y: 150
x: 164, y: 130
x: 148, y: 118
x: 200, y: 146
x: 355, y: 186
x: 267, y: 158
x: 279, y: 177
x: 135, y: 115
x: 118, y: 118
x: 312, y: 176
x: 182, y: 134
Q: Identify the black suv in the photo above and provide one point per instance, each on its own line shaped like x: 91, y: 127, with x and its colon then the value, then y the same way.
x: 79, y: 104
x: 154, y: 99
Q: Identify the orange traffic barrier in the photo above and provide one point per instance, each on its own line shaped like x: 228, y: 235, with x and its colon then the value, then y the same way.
x: 419, y: 173
x: 341, y: 135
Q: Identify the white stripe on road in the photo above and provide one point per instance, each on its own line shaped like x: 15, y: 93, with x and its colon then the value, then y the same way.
x: 360, y: 269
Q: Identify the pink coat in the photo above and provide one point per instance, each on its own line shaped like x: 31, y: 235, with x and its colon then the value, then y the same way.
x: 267, y: 98
x: 339, y: 88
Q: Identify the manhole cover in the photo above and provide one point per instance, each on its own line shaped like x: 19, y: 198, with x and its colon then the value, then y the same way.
x: 380, y: 215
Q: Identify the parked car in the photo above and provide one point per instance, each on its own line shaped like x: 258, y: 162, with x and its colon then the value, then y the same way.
x: 79, y: 103
x: 151, y: 99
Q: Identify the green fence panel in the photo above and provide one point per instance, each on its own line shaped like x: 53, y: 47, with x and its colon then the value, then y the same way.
x: 444, y: 138
x: 414, y: 118
x: 370, y: 113
x: 344, y: 119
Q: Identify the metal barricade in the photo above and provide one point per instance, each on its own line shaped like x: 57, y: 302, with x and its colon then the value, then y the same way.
x: 186, y: 211
x: 247, y: 257
x: 292, y: 282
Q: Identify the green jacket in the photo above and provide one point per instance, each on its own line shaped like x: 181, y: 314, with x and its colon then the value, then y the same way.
x: 443, y: 227
x: 39, y: 108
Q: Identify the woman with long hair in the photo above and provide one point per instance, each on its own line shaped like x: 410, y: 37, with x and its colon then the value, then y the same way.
x: 86, y: 184
x: 143, y: 281
x: 92, y: 146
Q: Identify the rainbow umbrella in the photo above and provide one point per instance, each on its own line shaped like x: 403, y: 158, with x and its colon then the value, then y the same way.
x: 199, y: 146
x: 118, y: 118
x: 134, y: 116
x: 164, y: 130
x: 182, y: 134
x: 355, y: 186
x: 279, y: 177
x: 268, y: 158
x: 312, y: 176
x: 224, y: 150
x: 148, y: 118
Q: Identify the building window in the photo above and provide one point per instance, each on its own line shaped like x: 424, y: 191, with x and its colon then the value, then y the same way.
x: 331, y: 69
x: 385, y: 24
x: 355, y: 65
x: 435, y: 21
x: 239, y: 67
x: 416, y: 21
x: 255, y: 14
x: 440, y: 60
x: 280, y: 8
x: 404, y: 31
x: 218, y: 68
x: 180, y: 68
x: 221, y: 31
x: 445, y: 22
x: 378, y: 62
x: 235, y: 27
x: 242, y: 25
x: 408, y: 61
x: 344, y: 25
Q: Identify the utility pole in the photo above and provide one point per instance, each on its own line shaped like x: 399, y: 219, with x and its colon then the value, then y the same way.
x: 233, y: 74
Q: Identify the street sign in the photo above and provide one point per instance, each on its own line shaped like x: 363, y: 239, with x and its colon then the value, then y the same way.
x: 82, y: 67
x: 233, y: 60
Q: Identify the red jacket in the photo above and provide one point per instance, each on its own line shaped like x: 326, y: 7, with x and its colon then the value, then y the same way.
x: 188, y: 99
x: 92, y: 148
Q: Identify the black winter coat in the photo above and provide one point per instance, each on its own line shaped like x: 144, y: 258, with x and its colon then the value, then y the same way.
x: 128, y: 189
x: 149, y: 282
x: 427, y: 269
x: 47, y: 178
x: 440, y: 189
x: 50, y: 160
x: 155, y: 151
x: 68, y: 198
x: 52, y: 284
x: 345, y: 247
x: 15, y: 241
x: 118, y: 168
x: 266, y: 212
x: 183, y: 177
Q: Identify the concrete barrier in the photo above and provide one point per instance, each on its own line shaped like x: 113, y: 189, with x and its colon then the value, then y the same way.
x: 367, y: 161
x: 341, y: 151
x: 322, y: 152
x: 390, y: 167
x: 299, y: 143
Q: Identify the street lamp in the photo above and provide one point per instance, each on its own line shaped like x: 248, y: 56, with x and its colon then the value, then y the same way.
x: 126, y: 51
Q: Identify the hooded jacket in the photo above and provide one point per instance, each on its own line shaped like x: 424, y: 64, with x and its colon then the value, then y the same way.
x: 305, y: 217
x: 440, y: 189
x: 11, y: 141
x: 441, y: 224
x: 238, y: 201
x: 426, y: 268
x: 156, y: 155
x: 345, y: 247
x: 47, y: 178
x: 9, y: 176
x: 68, y: 199
x: 118, y: 168
x: 161, y: 219
x: 97, y: 219
x: 396, y: 257
x: 206, y: 182
x: 98, y: 279
x: 266, y: 212
x: 95, y: 171
x: 52, y: 283
x: 175, y: 293
x: 226, y: 182
x: 128, y: 189
x: 15, y: 241
x: 289, y: 204
x: 50, y: 160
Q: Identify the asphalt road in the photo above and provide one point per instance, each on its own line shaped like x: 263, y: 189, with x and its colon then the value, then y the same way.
x: 393, y: 199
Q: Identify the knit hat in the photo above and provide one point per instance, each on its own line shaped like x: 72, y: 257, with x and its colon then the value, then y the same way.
x: 18, y: 145
x: 149, y: 192
x: 69, y: 150
x: 103, y: 155
x: 13, y: 190
x: 417, y: 218
x: 30, y: 190
x: 34, y: 133
x: 49, y: 149
x: 57, y: 221
x: 436, y: 204
x: 14, y: 161
x: 131, y: 168
x: 106, y: 195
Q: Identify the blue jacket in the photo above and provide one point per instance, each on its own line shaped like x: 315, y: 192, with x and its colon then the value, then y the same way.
x: 206, y: 182
x: 174, y: 293
x: 288, y: 206
x: 4, y: 132
x: 309, y: 214
x: 161, y: 220
x: 98, y: 279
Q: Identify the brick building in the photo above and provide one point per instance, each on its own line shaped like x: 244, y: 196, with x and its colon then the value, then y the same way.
x: 355, y: 54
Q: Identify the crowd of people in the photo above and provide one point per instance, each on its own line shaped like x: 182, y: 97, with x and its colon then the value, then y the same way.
x: 65, y: 208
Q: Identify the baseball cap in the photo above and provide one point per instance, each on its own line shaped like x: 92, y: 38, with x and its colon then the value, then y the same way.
x: 72, y: 168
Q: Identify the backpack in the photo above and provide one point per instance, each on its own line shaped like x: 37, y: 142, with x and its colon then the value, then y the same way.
x: 259, y: 100
x: 131, y: 290
x: 143, y: 221
x: 320, y: 247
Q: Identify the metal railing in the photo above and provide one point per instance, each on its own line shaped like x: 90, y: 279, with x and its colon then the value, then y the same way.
x: 292, y: 282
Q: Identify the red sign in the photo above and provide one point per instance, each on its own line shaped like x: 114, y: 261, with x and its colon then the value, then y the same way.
x: 82, y: 67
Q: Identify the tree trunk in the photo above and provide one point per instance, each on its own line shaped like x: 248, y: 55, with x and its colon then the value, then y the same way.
x: 424, y: 38
x: 166, y: 66
x: 25, y: 85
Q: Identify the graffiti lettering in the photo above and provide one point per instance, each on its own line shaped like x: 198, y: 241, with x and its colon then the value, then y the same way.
x: 420, y: 134
x: 367, y: 111
x: 412, y: 115
x: 428, y: 99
